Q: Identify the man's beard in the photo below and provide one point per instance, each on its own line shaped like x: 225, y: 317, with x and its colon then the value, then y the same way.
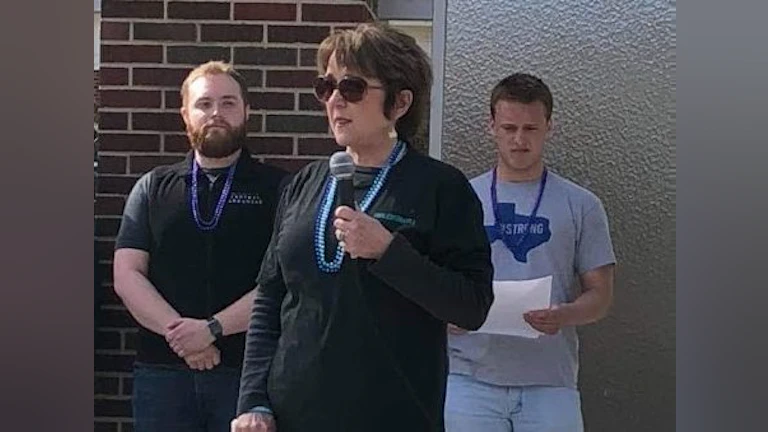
x: 217, y: 144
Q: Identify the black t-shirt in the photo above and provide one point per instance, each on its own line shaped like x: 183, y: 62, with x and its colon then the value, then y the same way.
x: 200, y: 272
x: 365, y: 348
x: 134, y: 230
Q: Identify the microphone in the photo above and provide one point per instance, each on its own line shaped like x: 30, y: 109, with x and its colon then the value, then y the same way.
x: 343, y: 168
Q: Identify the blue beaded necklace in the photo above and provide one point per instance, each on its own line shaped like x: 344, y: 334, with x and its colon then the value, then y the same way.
x: 326, y: 203
x: 202, y: 224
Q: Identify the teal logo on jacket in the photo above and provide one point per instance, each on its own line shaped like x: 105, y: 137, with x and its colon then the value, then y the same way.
x: 395, y: 219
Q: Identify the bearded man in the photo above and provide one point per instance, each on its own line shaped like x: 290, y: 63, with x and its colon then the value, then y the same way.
x: 189, y: 249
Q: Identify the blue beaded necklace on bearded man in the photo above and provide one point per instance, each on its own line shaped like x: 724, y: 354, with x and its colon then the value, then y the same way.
x: 209, y: 225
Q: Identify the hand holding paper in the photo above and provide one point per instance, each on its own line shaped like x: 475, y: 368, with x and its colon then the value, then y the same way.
x: 548, y: 321
x: 513, y: 300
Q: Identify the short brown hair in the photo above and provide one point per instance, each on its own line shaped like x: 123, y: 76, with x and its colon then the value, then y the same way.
x: 378, y: 51
x: 214, y: 68
x: 523, y: 88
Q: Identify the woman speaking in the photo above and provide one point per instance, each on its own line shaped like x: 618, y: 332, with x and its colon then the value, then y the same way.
x: 348, y: 330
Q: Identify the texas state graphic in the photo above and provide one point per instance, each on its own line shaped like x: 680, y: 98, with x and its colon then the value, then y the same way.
x: 514, y: 231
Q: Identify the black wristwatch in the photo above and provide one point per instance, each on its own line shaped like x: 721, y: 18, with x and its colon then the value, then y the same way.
x: 215, y: 327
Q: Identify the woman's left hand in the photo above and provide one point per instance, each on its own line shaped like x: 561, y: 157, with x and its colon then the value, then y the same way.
x: 360, y: 235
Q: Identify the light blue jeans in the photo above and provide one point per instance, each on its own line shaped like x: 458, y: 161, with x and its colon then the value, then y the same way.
x: 474, y: 406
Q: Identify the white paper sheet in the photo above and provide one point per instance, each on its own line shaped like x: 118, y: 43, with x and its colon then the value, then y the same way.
x: 512, y: 300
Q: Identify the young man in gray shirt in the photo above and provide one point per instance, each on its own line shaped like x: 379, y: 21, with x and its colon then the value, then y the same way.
x: 539, y: 224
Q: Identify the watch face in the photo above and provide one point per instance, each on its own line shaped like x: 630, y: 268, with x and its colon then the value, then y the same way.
x: 215, y: 326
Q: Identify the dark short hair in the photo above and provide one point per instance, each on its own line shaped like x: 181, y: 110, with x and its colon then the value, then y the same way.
x: 523, y: 88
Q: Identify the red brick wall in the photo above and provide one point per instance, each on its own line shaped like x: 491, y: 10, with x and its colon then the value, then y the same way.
x: 147, y: 48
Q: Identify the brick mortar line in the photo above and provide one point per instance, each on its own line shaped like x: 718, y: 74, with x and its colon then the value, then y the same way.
x: 147, y: 110
x: 239, y: 66
x: 232, y: 21
x: 112, y: 374
x: 115, y: 351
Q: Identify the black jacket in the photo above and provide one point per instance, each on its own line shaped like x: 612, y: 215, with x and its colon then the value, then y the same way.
x: 365, y: 349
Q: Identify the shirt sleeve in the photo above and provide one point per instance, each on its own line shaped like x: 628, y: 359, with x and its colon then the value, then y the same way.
x: 454, y: 280
x: 264, y: 327
x: 134, y: 230
x: 594, y: 247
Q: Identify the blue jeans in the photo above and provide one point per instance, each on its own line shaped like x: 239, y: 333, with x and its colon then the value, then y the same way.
x: 176, y: 398
x: 473, y: 406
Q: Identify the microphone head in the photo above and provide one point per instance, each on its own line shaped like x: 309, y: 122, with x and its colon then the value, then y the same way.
x: 342, y: 166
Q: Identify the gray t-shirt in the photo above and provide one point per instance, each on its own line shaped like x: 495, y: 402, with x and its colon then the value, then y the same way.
x: 569, y: 236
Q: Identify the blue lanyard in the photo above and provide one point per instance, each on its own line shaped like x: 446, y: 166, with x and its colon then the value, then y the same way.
x: 497, y: 216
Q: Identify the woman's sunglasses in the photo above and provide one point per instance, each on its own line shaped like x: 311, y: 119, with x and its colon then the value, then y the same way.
x: 352, y: 89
